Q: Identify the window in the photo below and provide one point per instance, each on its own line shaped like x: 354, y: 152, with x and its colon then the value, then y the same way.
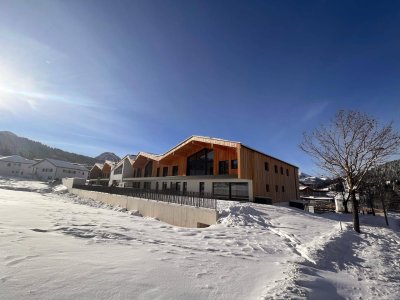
x: 158, y: 172
x: 267, y: 188
x: 239, y: 190
x: 283, y: 189
x: 221, y: 190
x: 9, y: 165
x: 234, y: 164
x: 287, y: 172
x: 147, y: 185
x: 276, y: 188
x: 157, y: 187
x: 201, y: 163
x: 282, y: 170
x: 223, y: 167
x: 164, y: 186
x: 139, y: 172
x: 118, y: 170
x: 175, y: 171
x: 201, y: 187
x: 276, y: 169
x: 148, y: 169
x: 165, y: 171
x: 266, y: 166
x: 178, y: 186
x: 231, y: 190
x: 184, y: 188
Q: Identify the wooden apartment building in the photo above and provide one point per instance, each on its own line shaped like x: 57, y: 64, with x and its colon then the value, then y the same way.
x: 228, y: 170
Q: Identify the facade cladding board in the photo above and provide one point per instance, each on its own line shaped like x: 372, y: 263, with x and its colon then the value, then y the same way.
x: 267, y: 182
x: 224, y: 161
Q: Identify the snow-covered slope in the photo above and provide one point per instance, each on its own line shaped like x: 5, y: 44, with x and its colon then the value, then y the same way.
x: 58, y: 246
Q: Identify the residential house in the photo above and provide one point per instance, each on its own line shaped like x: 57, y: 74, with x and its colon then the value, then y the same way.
x: 122, y: 170
x: 49, y: 169
x: 16, y: 166
x: 100, y: 173
x: 224, y: 169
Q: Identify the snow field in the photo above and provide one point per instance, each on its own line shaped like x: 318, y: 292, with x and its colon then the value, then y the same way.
x: 55, y: 245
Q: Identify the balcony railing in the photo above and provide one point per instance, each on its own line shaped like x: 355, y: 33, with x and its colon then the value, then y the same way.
x: 205, y: 200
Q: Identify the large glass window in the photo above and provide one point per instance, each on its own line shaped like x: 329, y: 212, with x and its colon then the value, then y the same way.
x: 118, y: 170
x: 221, y: 189
x: 223, y: 167
x: 231, y: 190
x: 239, y: 190
x: 148, y: 169
x: 201, y: 163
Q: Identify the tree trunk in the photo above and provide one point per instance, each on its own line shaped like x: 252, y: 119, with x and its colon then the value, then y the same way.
x: 371, y: 203
x: 344, y: 202
x: 384, y: 210
x: 356, y: 220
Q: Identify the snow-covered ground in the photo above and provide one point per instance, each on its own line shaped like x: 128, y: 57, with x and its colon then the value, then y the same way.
x: 54, y: 245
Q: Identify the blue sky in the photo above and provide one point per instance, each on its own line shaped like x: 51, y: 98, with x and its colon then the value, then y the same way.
x: 129, y: 76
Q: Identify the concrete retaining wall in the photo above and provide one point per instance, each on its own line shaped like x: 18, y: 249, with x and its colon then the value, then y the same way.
x: 174, y: 214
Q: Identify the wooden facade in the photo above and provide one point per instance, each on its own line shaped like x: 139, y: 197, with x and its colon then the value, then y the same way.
x: 271, y: 178
x: 95, y: 172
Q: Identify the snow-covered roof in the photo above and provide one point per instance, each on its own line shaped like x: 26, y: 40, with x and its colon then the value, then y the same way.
x: 98, y: 165
x: 64, y: 164
x: 17, y: 159
x: 109, y: 162
x: 303, y: 187
x: 130, y: 157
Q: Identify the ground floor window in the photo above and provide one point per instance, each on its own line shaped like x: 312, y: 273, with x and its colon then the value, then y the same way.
x: 221, y: 189
x: 184, y: 188
x: 239, y: 190
x: 231, y: 190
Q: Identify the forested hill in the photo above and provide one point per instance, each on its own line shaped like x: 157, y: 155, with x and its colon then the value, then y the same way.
x: 11, y: 144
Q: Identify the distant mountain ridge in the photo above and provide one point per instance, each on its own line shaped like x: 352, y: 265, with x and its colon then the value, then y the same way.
x: 108, y: 156
x: 11, y: 144
x: 312, y: 180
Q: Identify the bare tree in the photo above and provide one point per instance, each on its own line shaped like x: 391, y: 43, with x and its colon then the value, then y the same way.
x: 352, y: 144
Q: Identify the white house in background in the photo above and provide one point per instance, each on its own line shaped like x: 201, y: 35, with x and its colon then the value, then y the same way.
x: 16, y: 166
x: 122, y: 169
x: 49, y: 169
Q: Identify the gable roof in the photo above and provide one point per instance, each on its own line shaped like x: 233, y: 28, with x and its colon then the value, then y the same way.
x: 130, y: 157
x: 200, y: 139
x: 97, y: 165
x: 17, y: 159
x: 64, y: 164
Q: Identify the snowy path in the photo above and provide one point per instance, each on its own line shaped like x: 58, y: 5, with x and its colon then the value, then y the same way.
x: 53, y: 246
